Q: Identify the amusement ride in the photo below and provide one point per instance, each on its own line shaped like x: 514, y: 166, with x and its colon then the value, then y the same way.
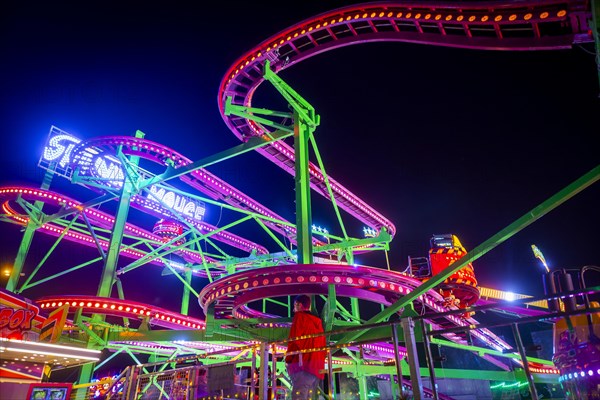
x: 249, y: 284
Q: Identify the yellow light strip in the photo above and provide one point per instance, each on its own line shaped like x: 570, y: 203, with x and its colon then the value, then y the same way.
x: 48, y: 353
x: 504, y: 295
x: 54, y: 346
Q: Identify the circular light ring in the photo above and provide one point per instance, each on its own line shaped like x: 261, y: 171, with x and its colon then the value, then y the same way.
x: 383, y: 286
x: 199, y: 179
x: 101, y: 219
x: 235, y: 82
x: 95, y: 217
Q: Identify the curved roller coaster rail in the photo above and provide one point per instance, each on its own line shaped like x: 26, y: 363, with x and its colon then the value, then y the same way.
x: 175, y: 191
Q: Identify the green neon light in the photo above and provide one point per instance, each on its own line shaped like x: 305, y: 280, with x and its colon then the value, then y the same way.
x: 504, y: 385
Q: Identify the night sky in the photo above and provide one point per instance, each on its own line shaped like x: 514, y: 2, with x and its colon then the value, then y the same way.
x: 439, y: 140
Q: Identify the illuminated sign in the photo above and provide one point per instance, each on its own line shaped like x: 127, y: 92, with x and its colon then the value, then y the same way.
x: 58, y: 157
x: 106, y: 168
x: 93, y: 162
x: 176, y: 202
x: 369, y: 232
x: 17, y: 317
x: 57, y: 152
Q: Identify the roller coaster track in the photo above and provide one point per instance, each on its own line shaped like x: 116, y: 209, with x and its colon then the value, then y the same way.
x: 528, y: 25
x: 99, y: 219
x: 199, y: 179
x: 229, y: 296
x: 494, y: 25
x: 122, y: 308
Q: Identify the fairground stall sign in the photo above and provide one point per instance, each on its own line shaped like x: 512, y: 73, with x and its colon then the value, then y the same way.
x: 29, y: 341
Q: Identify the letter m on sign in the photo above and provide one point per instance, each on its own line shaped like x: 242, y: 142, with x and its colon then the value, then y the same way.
x: 53, y: 325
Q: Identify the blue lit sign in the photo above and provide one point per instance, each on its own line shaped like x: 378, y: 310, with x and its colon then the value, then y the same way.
x: 93, y: 162
x: 57, y: 152
x: 176, y: 202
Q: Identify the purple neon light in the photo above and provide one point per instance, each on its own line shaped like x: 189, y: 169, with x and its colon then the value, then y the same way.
x: 96, y: 217
x: 232, y: 294
x: 289, y: 47
x: 222, y: 236
x: 200, y: 179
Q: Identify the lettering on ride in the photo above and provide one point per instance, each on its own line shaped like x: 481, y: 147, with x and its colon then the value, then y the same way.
x: 57, y: 153
x: 92, y: 161
x: 59, y: 148
x: 58, y: 157
x: 176, y: 202
x: 106, y: 169
x: 16, y: 319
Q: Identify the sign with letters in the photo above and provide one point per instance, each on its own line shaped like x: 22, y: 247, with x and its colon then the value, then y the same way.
x: 18, y: 317
x: 58, y: 156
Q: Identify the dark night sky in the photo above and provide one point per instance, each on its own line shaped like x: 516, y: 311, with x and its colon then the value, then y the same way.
x: 439, y: 140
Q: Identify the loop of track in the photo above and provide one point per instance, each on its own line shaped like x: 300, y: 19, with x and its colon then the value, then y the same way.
x: 551, y: 24
x: 199, y: 179
x: 96, y: 217
x: 231, y: 295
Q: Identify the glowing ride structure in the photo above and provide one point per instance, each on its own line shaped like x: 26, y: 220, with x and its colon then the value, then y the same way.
x: 549, y: 24
x: 489, y: 25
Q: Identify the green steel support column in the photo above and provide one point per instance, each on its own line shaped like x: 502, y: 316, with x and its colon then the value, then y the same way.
x: 355, y: 308
x: 527, y: 219
x: 17, y: 268
x: 408, y: 326
x: 209, y: 320
x: 11, y: 285
x: 302, y: 181
x: 108, y: 273
x: 362, y: 387
x: 77, y: 317
x: 398, y: 361
x: 330, y: 307
x: 305, y: 123
x: 85, y: 376
x: 185, y: 300
x: 350, y: 256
